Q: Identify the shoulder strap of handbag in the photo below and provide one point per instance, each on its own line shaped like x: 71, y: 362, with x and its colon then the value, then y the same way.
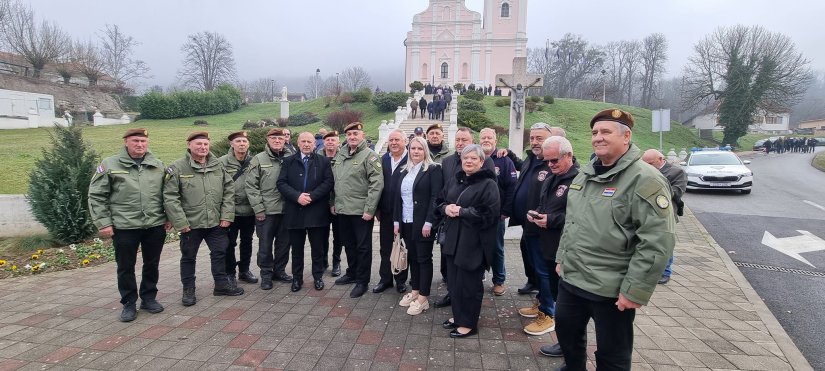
x: 241, y: 169
x: 462, y: 192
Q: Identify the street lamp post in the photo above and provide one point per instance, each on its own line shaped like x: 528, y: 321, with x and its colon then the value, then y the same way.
x: 604, y: 85
x: 272, y: 89
x: 337, y: 85
x: 317, y: 71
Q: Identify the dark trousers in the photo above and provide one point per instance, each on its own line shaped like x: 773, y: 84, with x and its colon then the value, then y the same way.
x: 499, y: 272
x: 420, y: 258
x: 614, y: 331
x: 337, y: 246
x: 297, y: 238
x: 216, y: 239
x: 526, y: 259
x: 245, y: 226
x: 466, y: 292
x: 386, y: 236
x: 356, y: 234
x: 273, y: 244
x: 126, y: 241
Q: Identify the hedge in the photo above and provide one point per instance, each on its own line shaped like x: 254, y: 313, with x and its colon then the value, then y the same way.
x: 155, y: 105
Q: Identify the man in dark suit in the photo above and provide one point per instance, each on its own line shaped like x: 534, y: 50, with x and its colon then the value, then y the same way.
x: 391, y: 163
x: 677, y: 178
x: 305, y: 183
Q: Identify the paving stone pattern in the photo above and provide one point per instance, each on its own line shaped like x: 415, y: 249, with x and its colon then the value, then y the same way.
x: 67, y: 320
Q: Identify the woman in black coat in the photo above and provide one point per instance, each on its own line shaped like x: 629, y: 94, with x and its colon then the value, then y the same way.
x: 421, y: 181
x: 471, y: 211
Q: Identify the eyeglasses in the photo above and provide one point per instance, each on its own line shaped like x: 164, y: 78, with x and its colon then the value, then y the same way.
x: 553, y: 161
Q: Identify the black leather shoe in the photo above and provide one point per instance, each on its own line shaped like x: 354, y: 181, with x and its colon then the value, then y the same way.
x: 129, y: 313
x: 401, y: 288
x: 664, y: 280
x: 457, y: 335
x: 151, y: 306
x: 551, y: 350
x: 345, y: 280
x: 296, y: 285
x: 358, y: 290
x: 266, y: 283
x: 563, y: 367
x: 448, y: 325
x: 282, y: 277
x: 247, y: 277
x: 189, y: 298
x: 381, y: 287
x: 319, y: 284
x: 336, y: 270
x: 528, y: 288
x: 443, y: 302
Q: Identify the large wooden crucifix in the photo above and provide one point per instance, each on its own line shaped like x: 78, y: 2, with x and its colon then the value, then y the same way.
x: 518, y: 82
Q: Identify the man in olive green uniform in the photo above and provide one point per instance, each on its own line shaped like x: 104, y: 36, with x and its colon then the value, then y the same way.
x: 618, y: 235
x: 199, y: 200
x: 268, y: 206
x: 126, y: 203
x: 359, y: 181
x: 435, y: 141
x: 236, y: 162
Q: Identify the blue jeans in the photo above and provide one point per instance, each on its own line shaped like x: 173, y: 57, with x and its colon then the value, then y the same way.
x: 542, y: 270
x: 668, y: 269
x: 499, y: 272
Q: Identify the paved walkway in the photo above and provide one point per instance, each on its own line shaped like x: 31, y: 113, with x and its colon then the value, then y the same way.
x: 707, y: 317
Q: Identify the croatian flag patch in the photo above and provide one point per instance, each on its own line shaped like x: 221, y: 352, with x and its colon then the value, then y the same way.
x: 608, y: 192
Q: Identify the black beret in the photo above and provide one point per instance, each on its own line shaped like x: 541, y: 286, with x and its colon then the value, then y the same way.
x: 354, y: 126
x: 615, y: 115
x: 197, y: 135
x: 434, y: 126
x: 237, y: 134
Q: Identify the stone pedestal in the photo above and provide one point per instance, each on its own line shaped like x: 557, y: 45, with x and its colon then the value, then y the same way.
x: 284, y: 109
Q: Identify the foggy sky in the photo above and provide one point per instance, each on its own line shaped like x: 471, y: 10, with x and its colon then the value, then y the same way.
x: 288, y: 40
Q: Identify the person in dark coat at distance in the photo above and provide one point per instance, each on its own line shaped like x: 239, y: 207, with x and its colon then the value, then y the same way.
x: 305, y: 182
x: 414, y: 218
x: 472, y: 211
x: 422, y: 105
x: 391, y: 164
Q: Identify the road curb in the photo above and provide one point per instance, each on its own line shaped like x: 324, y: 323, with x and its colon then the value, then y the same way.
x: 785, y: 343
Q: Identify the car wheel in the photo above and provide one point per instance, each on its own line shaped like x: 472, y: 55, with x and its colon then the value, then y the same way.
x: 746, y: 191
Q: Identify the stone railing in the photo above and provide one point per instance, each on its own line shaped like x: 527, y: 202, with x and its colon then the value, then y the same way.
x: 100, y: 120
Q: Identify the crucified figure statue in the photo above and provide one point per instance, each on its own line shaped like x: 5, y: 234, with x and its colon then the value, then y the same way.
x: 518, y: 97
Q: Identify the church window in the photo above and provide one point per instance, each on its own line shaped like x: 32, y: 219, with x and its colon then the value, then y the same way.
x: 505, y: 10
x: 444, y: 70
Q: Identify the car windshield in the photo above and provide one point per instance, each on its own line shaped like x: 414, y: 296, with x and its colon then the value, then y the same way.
x: 714, y: 159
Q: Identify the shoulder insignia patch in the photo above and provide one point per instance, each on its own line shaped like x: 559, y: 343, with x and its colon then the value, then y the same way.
x: 662, y: 202
x: 170, y: 170
x: 100, y: 169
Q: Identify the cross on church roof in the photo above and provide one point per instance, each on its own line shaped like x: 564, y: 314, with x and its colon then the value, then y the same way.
x: 520, y: 76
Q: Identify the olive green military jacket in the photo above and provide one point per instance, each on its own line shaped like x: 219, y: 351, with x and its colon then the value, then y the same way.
x: 126, y: 195
x: 232, y: 166
x: 198, y: 195
x: 358, y: 181
x: 441, y: 155
x: 619, y: 231
x: 261, y: 177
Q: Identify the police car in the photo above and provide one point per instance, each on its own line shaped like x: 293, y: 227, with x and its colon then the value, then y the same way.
x: 717, y: 168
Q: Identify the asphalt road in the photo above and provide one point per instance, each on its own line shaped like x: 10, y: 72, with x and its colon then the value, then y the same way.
x: 788, y: 195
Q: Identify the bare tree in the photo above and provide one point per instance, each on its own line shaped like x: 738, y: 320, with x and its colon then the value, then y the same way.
x: 332, y: 86
x: 315, y: 82
x: 746, y: 68
x: 654, y: 56
x: 354, y: 78
x: 88, y: 60
x: 38, y: 44
x: 208, y: 61
x: 260, y: 90
x: 621, y: 63
x: 116, y: 52
x: 568, y: 63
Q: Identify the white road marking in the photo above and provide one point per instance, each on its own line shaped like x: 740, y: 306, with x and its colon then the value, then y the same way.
x: 795, y: 245
x: 814, y: 204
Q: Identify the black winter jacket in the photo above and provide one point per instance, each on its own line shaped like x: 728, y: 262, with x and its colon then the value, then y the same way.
x: 553, y: 202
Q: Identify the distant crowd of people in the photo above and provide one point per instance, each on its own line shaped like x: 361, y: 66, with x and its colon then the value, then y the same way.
x: 782, y: 145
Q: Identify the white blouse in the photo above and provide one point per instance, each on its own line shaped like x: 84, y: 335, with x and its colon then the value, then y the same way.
x: 407, y: 205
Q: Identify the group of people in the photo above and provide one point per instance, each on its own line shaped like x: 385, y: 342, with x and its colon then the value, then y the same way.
x: 597, y: 236
x: 782, y: 145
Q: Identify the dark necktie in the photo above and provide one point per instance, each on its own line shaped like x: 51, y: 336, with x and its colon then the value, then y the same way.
x: 306, y: 171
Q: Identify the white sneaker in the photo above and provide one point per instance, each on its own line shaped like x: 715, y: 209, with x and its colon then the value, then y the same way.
x: 416, y: 308
x: 407, y: 299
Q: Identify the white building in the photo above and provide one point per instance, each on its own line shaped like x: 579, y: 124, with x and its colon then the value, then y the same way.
x: 21, y: 110
x: 763, y: 122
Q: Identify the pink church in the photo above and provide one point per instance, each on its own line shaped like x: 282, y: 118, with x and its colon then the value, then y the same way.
x: 449, y: 43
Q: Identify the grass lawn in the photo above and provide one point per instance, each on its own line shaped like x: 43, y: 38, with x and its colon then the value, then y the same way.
x: 20, y: 148
x: 574, y: 116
